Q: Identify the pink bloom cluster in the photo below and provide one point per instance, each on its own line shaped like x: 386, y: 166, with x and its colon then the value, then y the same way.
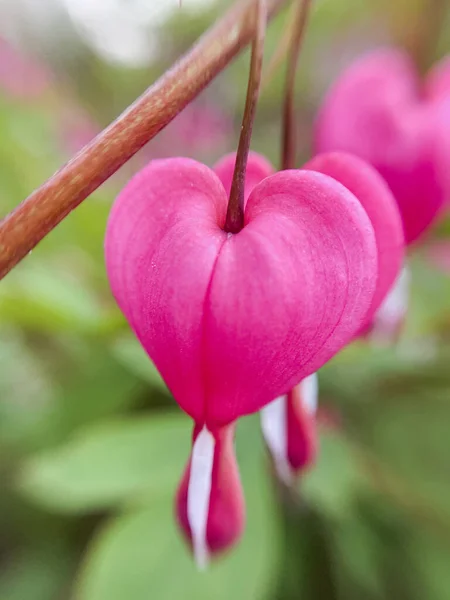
x: 380, y: 110
x: 240, y: 323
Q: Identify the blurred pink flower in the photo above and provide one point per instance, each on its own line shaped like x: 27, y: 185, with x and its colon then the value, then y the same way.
x: 22, y: 76
x: 290, y: 429
x: 199, y: 129
x: 438, y: 254
x: 211, y: 524
x: 377, y: 109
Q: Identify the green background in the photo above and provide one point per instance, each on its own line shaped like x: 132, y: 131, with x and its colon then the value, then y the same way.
x: 91, y: 443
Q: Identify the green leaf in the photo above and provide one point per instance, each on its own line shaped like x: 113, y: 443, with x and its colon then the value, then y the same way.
x: 141, y: 554
x: 46, y: 395
x: 43, y: 299
x: 38, y: 574
x: 110, y: 463
x: 430, y: 555
x: 334, y: 483
x: 130, y: 353
x: 357, y: 551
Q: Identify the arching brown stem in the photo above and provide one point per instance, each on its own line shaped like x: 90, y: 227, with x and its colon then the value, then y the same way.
x: 235, y: 213
x: 36, y: 216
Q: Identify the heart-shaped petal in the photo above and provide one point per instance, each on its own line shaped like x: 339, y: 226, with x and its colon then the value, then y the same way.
x: 376, y: 111
x: 378, y: 202
x: 233, y: 321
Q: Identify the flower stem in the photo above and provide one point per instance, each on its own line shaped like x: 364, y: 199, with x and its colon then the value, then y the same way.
x: 282, y: 48
x: 235, y: 214
x: 36, y: 216
x: 289, y: 109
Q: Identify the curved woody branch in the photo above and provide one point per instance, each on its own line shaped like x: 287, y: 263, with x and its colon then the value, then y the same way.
x: 38, y: 214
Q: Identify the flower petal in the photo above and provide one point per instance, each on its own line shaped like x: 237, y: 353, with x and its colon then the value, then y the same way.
x: 233, y: 321
x: 210, y: 503
x: 375, y: 111
x: 162, y: 241
x: 288, y: 291
x: 376, y: 198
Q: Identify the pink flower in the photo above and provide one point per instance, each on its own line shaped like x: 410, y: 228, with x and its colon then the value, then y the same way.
x: 234, y: 321
x: 378, y: 111
x: 364, y: 182
x: 199, y: 129
x: 288, y: 424
x: 438, y: 254
x: 20, y: 75
x: 289, y: 428
x: 220, y: 523
x: 437, y: 82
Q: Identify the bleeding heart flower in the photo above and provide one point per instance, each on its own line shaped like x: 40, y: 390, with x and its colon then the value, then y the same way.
x: 289, y: 428
x: 366, y: 184
x: 437, y: 93
x: 232, y: 321
x: 437, y: 82
x: 210, y: 505
x: 286, y: 425
x: 378, y: 111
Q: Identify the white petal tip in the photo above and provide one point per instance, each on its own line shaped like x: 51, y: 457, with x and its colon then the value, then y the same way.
x: 199, y: 491
x: 274, y: 428
x: 201, y: 557
x: 284, y: 472
x: 310, y: 392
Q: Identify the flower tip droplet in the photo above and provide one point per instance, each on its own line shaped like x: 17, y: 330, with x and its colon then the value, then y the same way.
x: 289, y: 429
x: 210, y: 505
x: 273, y: 425
x: 198, y: 494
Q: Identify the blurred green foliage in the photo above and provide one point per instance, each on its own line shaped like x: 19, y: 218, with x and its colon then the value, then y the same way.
x: 91, y: 443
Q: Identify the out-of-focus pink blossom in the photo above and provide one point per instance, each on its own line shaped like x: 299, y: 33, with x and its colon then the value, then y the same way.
x: 200, y: 128
x: 438, y: 253
x: 437, y: 82
x: 377, y: 110
x: 289, y: 428
x: 21, y: 76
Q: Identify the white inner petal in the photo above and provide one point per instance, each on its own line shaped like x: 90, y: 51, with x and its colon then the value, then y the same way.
x: 199, y: 492
x: 274, y: 428
x: 309, y: 390
x: 394, y: 306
